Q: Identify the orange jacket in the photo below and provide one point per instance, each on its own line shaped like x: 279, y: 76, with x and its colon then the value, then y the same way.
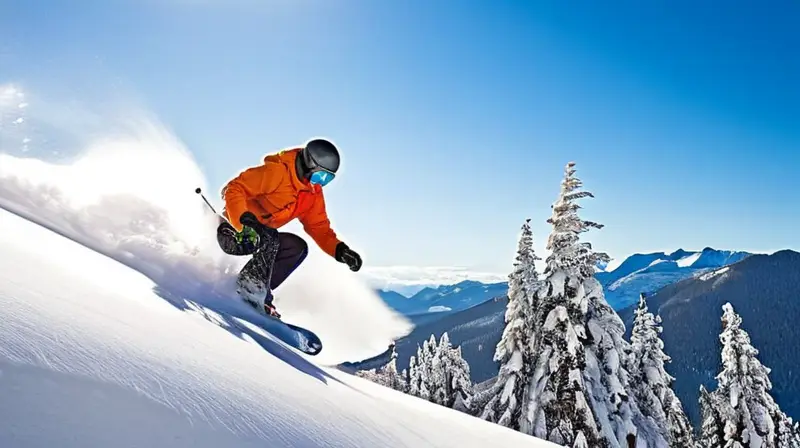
x: 275, y: 194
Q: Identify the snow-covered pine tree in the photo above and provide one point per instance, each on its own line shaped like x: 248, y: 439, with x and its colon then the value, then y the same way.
x: 652, y: 385
x: 579, y: 388
x: 457, y: 383
x: 440, y: 374
x: 788, y: 436
x: 419, y: 372
x: 391, y: 377
x: 387, y: 375
x: 427, y: 355
x: 505, y: 400
x: 749, y: 415
x: 712, y: 431
x: 414, y: 377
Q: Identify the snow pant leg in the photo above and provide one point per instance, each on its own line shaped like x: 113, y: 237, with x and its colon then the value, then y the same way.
x: 292, y: 250
x: 260, y: 268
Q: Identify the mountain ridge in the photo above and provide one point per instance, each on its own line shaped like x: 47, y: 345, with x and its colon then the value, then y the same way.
x: 639, y: 272
x: 479, y: 328
x: 444, y: 298
x: 649, y: 272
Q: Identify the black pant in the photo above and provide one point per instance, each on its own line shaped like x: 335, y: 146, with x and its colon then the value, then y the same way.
x: 277, y: 255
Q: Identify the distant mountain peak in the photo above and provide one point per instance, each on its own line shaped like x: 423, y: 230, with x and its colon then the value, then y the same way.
x: 648, y: 272
x: 680, y: 253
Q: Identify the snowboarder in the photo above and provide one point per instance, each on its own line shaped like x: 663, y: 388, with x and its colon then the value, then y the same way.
x: 264, y: 198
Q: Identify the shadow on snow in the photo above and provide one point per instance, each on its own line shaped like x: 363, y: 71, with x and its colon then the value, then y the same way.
x: 233, y: 316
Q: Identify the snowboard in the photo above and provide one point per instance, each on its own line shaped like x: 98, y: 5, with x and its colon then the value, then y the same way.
x: 295, y: 336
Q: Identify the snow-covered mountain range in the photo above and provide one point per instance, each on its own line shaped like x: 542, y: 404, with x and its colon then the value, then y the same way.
x: 622, y: 283
x: 647, y: 273
x: 443, y: 299
x: 477, y: 329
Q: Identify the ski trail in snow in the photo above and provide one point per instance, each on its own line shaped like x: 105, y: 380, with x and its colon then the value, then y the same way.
x: 128, y: 193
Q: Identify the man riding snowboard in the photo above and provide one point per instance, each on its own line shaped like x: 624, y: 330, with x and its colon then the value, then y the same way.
x: 264, y: 198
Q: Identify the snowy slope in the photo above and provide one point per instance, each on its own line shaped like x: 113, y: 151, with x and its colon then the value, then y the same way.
x: 90, y: 355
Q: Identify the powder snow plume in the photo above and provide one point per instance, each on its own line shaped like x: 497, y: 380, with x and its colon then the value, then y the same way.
x: 127, y: 191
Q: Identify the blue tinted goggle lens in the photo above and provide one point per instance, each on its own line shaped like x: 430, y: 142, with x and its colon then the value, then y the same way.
x: 321, y: 177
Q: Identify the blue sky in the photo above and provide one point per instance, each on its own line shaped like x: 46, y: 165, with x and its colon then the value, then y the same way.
x: 455, y: 118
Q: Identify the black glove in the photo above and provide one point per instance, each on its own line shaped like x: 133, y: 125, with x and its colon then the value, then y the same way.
x: 249, y: 219
x: 348, y: 256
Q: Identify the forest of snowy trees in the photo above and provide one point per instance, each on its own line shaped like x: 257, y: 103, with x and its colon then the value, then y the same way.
x: 567, y: 375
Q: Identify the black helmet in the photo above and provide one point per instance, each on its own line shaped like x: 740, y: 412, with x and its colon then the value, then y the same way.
x: 320, y: 153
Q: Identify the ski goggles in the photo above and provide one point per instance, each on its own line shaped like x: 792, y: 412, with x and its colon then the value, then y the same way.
x: 321, y: 177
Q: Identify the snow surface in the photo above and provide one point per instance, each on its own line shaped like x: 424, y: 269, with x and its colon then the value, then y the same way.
x: 709, y: 275
x: 655, y: 262
x: 438, y: 309
x: 686, y: 262
x: 90, y: 355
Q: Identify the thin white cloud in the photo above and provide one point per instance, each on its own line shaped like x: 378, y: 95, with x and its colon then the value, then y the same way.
x: 391, y: 277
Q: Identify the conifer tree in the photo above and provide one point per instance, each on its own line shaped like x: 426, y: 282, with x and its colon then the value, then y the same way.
x: 414, y: 377
x: 449, y: 379
x: 419, y: 372
x: 579, y: 389
x: 440, y: 374
x: 387, y: 375
x: 505, y: 400
x: 748, y: 414
x: 712, y: 431
x: 652, y: 385
x: 392, y: 378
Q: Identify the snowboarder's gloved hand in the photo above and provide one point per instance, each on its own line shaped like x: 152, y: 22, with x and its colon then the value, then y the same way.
x: 248, y: 236
x: 249, y: 219
x: 253, y: 230
x: 348, y: 256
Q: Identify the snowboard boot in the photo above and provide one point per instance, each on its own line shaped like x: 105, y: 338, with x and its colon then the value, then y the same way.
x: 270, y: 310
x: 257, y: 295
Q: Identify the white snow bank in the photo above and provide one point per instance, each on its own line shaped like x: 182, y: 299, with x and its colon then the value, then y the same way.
x: 439, y: 309
x: 90, y: 355
x: 709, y: 275
x: 686, y: 262
x: 129, y: 194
